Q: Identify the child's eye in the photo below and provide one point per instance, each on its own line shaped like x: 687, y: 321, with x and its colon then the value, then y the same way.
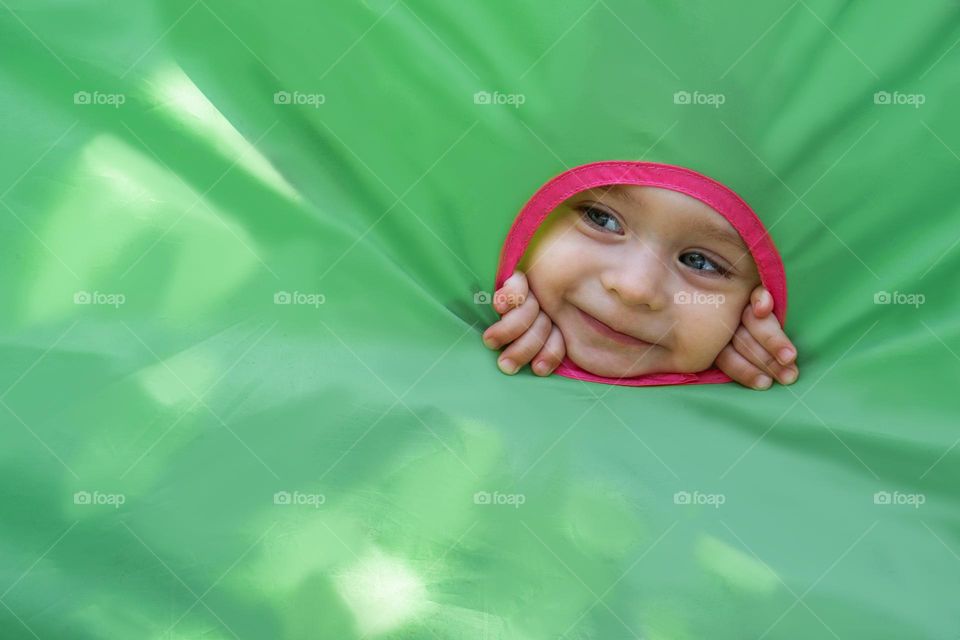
x: 700, y: 262
x: 600, y: 219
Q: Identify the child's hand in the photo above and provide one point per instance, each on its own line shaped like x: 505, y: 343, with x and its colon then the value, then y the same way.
x: 528, y: 330
x: 759, y: 351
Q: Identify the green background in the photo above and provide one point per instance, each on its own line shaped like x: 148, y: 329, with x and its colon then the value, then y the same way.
x: 201, y: 198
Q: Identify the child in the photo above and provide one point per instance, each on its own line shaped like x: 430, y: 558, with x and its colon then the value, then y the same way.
x: 639, y: 280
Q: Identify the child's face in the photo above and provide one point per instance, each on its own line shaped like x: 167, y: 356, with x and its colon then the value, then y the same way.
x: 649, y: 263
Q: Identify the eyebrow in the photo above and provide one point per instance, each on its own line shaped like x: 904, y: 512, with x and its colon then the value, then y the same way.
x: 715, y: 232
x: 701, y: 227
x: 623, y: 193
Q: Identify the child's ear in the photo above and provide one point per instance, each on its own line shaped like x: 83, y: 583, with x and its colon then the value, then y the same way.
x: 531, y: 249
x: 522, y: 265
x: 543, y: 230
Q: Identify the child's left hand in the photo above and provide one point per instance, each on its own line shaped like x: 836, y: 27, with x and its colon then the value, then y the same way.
x: 759, y: 351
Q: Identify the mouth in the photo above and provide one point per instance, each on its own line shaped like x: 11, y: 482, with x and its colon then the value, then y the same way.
x: 610, y: 332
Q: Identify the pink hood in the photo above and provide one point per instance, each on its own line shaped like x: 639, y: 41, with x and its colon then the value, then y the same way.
x: 652, y: 174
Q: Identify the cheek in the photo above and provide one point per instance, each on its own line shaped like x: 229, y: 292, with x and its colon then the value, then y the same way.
x: 551, y: 271
x: 704, y: 330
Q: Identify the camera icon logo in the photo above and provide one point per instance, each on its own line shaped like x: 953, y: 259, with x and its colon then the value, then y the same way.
x: 81, y: 497
x: 282, y: 297
x: 481, y: 497
x: 281, y: 497
x: 281, y: 97
x: 881, y: 97
x: 881, y: 297
x: 482, y: 97
x: 481, y: 297
x: 881, y: 497
x: 81, y: 297
x: 681, y: 497
x: 81, y: 97
x: 681, y: 297
x: 681, y: 97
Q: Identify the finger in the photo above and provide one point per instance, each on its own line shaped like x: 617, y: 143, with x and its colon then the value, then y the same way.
x: 768, y: 332
x: 741, y: 370
x: 748, y: 347
x: 512, y: 325
x: 551, y: 355
x: 511, y: 294
x: 522, y: 350
x: 761, y: 301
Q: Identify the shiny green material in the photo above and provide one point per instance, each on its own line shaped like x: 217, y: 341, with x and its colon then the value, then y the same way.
x: 244, y: 393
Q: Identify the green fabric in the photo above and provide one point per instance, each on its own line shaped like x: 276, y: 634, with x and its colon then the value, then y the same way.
x: 431, y: 496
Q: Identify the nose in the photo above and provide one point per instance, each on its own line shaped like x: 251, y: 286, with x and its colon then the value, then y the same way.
x: 638, y: 278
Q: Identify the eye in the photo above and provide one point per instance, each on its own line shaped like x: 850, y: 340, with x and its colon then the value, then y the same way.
x: 601, y: 219
x: 699, y: 262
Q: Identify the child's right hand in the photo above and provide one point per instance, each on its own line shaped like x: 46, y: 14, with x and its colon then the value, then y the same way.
x: 531, y: 334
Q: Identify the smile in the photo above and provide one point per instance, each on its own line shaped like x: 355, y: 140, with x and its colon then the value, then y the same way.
x: 610, y: 332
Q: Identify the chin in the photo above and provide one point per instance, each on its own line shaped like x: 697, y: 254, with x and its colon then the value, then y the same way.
x: 600, y: 364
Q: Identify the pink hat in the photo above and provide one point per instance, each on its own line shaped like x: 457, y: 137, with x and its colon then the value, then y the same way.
x: 651, y: 174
